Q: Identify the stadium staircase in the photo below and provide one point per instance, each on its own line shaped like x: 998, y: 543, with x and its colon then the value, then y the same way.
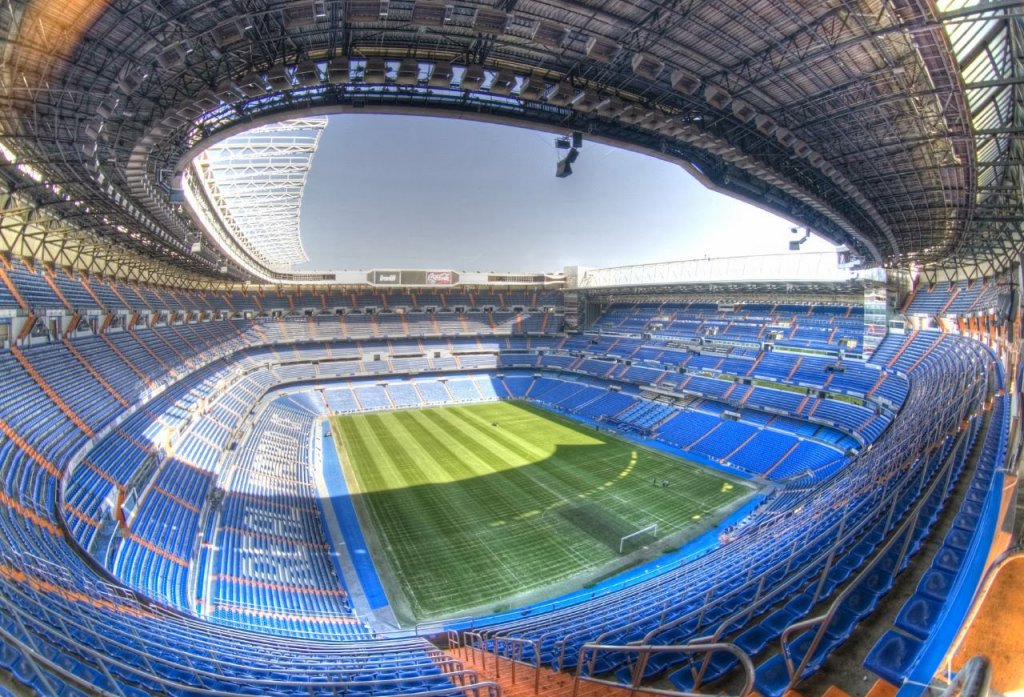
x: 796, y: 367
x: 909, y: 300
x: 50, y: 392
x: 143, y: 300
x: 96, y: 374
x: 757, y: 361
x: 522, y: 680
x: 924, y: 355
x: 153, y: 354
x: 284, y: 328
x: 518, y: 679
x: 909, y: 340
x: 782, y: 459
x: 12, y: 288
x: 952, y: 299
x: 56, y: 291
x: 191, y: 347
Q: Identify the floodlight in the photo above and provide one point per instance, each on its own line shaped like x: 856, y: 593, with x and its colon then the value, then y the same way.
x: 564, y: 169
x: 794, y: 245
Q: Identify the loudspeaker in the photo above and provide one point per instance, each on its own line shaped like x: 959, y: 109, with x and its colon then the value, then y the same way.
x: 1007, y: 304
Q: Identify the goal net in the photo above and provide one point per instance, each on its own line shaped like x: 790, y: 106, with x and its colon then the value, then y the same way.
x: 638, y: 538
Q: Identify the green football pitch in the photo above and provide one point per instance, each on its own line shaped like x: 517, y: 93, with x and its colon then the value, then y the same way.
x: 468, y: 508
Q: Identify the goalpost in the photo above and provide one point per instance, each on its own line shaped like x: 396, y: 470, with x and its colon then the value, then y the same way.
x: 652, y: 529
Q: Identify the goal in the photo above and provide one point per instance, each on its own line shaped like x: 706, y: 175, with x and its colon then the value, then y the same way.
x: 651, y: 530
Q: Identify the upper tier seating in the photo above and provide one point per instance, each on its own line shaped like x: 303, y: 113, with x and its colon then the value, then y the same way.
x: 42, y: 289
x: 957, y: 298
x: 814, y: 327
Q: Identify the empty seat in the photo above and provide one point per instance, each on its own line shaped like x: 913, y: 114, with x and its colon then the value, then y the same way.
x: 719, y: 664
x: 771, y: 678
x: 892, y: 656
x: 948, y: 559
x: 919, y: 615
x: 754, y: 640
x: 936, y: 584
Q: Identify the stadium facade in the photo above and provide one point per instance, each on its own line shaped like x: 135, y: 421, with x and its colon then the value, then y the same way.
x: 167, y: 528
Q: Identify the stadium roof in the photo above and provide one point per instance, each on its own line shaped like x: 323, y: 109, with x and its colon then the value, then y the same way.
x: 254, y: 182
x: 892, y: 127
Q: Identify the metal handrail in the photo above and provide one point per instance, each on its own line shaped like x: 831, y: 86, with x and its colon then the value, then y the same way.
x: 930, y: 434
x: 26, y: 621
x: 1014, y: 553
x: 644, y: 652
x: 905, y: 482
x: 973, y: 680
x: 507, y: 648
x: 465, y: 682
x: 513, y: 653
x: 844, y: 536
x: 705, y: 647
x: 901, y: 536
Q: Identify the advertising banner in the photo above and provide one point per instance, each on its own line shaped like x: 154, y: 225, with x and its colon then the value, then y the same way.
x: 386, y: 278
x: 412, y: 278
x: 439, y: 278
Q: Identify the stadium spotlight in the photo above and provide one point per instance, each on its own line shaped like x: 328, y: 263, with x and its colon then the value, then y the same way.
x: 564, y: 168
x: 572, y: 143
x: 794, y: 245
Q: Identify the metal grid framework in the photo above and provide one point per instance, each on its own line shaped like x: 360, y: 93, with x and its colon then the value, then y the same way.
x: 988, y: 42
x: 894, y: 127
x: 803, y: 266
x: 255, y: 180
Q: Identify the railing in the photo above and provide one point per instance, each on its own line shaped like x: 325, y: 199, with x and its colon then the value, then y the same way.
x: 508, y: 649
x: 46, y: 672
x: 590, y: 652
x: 972, y: 681
x: 899, y: 477
x: 901, y: 538
x: 1010, y: 555
x: 895, y: 470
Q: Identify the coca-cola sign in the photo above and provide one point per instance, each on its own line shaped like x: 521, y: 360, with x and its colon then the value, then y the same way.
x: 439, y: 278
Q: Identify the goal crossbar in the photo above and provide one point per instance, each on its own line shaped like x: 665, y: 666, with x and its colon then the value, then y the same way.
x: 652, y: 529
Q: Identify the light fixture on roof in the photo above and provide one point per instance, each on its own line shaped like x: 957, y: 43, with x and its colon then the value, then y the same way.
x: 794, y: 245
x: 564, y: 167
x: 573, y: 144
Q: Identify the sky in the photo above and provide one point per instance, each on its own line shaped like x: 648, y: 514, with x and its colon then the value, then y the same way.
x: 420, y: 192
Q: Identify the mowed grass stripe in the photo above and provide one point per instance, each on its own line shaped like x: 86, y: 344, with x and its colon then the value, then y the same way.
x: 466, y: 513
